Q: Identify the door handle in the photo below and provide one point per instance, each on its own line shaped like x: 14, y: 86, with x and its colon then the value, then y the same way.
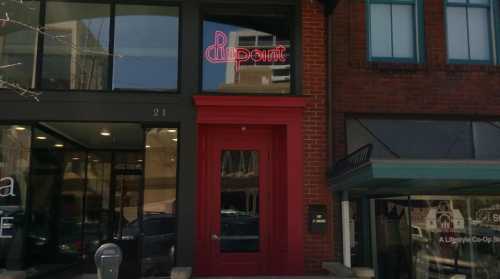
x: 215, y: 237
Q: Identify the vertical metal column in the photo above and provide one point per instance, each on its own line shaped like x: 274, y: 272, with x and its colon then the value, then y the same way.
x: 346, y: 230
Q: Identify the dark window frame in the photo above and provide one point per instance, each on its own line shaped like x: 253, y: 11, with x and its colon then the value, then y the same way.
x: 288, y: 11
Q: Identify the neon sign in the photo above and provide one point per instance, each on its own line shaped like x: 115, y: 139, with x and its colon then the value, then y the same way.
x: 219, y: 52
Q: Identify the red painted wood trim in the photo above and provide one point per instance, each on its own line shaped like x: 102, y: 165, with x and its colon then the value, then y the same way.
x: 250, y: 101
x: 280, y: 112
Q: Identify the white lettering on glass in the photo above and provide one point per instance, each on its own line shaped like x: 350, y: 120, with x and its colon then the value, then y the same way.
x: 7, y: 190
x: 5, y: 223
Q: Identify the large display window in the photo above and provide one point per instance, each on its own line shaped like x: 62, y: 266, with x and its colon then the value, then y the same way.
x: 67, y: 188
x: 438, y: 237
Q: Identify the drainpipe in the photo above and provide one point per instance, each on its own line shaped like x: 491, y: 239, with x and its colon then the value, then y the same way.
x: 329, y: 99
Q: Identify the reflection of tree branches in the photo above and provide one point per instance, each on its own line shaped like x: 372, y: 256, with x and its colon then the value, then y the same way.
x: 57, y: 38
x: 20, y: 90
x: 18, y: 2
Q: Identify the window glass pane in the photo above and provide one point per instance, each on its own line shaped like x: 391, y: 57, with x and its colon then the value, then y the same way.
x: 412, y: 139
x: 15, y: 144
x: 403, y: 31
x: 482, y: 2
x: 70, y: 206
x: 160, y: 191
x: 232, y: 63
x: 76, y: 51
x: 18, y: 44
x: 239, y: 204
x: 487, y: 140
x: 456, y: 23
x: 380, y: 30
x: 146, y: 47
x: 458, y: 1
x: 479, y: 32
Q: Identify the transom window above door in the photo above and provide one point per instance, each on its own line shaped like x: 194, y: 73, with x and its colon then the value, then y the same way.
x: 395, y: 30
x: 247, y: 52
x: 470, y: 26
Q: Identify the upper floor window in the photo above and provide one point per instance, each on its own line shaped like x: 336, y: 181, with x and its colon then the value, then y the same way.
x: 17, y: 44
x: 91, y: 46
x: 469, y: 30
x: 247, y: 52
x: 395, y: 30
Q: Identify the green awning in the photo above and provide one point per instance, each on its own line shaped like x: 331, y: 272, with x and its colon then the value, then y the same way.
x: 408, y: 177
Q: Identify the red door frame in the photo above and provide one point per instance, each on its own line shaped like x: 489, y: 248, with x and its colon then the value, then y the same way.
x: 281, y: 114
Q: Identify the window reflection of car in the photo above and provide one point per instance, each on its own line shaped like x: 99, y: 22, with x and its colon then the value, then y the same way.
x: 159, y: 234
x: 239, y: 231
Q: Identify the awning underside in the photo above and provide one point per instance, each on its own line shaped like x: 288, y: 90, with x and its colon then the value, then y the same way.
x: 410, y: 177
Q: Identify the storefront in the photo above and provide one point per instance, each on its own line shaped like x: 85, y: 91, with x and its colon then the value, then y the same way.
x: 175, y: 129
x: 421, y: 202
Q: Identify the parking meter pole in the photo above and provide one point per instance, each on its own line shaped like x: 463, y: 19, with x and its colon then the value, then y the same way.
x: 108, y: 259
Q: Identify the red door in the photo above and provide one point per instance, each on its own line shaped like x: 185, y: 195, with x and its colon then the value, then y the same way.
x: 237, y: 201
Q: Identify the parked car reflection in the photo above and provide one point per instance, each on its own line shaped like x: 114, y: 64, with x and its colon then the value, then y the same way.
x: 158, y: 243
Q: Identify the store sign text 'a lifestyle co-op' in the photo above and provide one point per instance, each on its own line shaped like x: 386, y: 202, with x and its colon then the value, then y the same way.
x: 219, y: 52
x: 6, y: 191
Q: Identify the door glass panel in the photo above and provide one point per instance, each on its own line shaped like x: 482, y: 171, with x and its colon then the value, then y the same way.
x: 239, y: 201
x: 97, y: 210
x: 392, y: 238
x: 159, y: 219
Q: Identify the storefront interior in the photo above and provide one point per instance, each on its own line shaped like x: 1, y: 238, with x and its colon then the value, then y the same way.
x: 66, y: 188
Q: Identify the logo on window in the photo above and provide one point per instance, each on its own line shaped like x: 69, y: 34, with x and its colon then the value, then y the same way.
x: 219, y: 52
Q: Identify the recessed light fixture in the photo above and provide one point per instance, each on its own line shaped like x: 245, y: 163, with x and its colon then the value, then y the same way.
x: 105, y: 133
x: 171, y: 130
x: 95, y: 161
x: 41, y: 137
x: 75, y: 158
x: 20, y: 128
x: 59, y: 145
x: 175, y: 139
x: 148, y: 146
x: 139, y: 161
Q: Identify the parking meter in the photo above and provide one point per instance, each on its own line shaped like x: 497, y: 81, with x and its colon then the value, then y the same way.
x: 108, y: 259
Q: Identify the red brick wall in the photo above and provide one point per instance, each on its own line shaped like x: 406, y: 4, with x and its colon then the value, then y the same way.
x: 434, y: 88
x: 317, y: 247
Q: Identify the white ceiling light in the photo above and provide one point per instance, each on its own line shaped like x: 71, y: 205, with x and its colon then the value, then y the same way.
x: 172, y: 130
x: 175, y: 139
x: 41, y: 137
x: 20, y: 128
x: 59, y: 145
x: 105, y: 133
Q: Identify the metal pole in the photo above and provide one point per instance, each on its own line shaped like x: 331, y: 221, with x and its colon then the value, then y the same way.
x: 346, y: 230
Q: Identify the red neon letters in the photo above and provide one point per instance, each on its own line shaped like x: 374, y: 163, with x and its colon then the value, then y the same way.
x: 220, y: 53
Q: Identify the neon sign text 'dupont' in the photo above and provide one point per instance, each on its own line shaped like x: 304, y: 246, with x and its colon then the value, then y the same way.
x: 219, y: 52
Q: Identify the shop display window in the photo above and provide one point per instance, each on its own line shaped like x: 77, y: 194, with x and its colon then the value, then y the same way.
x: 438, y: 237
x: 67, y: 188
x: 15, y: 142
x: 247, y: 52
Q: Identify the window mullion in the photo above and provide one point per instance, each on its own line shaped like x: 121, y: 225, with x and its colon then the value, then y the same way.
x: 392, y: 31
x: 468, y: 31
x: 111, y: 46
